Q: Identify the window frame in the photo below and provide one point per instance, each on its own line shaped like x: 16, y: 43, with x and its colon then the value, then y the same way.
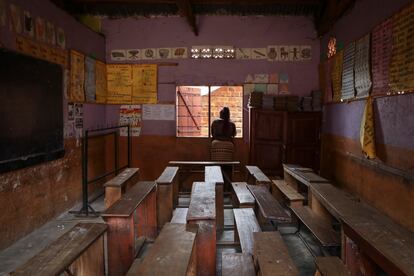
x: 209, y: 109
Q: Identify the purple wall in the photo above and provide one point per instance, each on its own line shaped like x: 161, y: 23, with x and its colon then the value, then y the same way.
x: 216, y: 30
x: 78, y: 37
x: 394, y: 119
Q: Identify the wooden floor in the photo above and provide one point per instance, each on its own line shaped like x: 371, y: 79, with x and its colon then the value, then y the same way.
x: 30, y: 245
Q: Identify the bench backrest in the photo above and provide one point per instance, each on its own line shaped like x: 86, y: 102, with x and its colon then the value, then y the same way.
x: 259, y: 177
x: 168, y: 176
x: 172, y: 252
x: 246, y: 224
x: 123, y: 179
x: 243, y: 195
x: 60, y: 254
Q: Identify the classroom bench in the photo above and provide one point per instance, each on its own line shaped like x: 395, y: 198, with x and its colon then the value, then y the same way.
x: 117, y: 186
x: 167, y: 195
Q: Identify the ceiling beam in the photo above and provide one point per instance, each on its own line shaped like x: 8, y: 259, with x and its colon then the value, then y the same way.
x: 185, y: 10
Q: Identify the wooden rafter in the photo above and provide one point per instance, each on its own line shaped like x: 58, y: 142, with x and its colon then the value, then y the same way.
x: 185, y: 10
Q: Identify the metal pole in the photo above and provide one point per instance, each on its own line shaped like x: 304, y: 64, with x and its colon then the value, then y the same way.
x: 85, y: 173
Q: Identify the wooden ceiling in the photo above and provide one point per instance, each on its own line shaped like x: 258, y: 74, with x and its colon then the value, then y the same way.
x: 324, y: 12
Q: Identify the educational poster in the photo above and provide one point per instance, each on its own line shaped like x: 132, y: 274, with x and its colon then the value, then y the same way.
x: 272, y: 89
x: 283, y: 89
x: 40, y: 27
x: 144, y: 83
x: 150, y: 53
x: 261, y: 78
x: 133, y: 54
x: 258, y: 53
x: 78, y: 118
x: 272, y: 53
x: 274, y: 78
x: 402, y: 61
x: 101, y: 82
x: 77, y: 77
x: 284, y: 53
x: 163, y: 53
x: 305, y: 52
x: 119, y: 83
x: 283, y: 78
x: 3, y: 14
x: 295, y: 53
x: 363, y: 81
x: 243, y: 53
x: 90, y: 80
x: 336, y: 74
x: 348, y: 91
x: 50, y: 33
x: 162, y: 112
x: 16, y: 18
x: 60, y: 38
x: 381, y: 49
x: 260, y: 87
x: 130, y: 115
x: 249, y: 79
x: 71, y: 111
x: 367, y: 130
x: 248, y: 88
x: 118, y: 55
x: 179, y: 52
x: 28, y: 24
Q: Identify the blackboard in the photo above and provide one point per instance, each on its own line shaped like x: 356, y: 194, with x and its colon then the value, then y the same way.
x: 31, y: 111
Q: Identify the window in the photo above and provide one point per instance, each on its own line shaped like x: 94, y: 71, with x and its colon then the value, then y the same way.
x: 199, y: 106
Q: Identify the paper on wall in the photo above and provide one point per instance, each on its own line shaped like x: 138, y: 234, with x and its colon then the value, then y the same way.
x: 130, y: 115
x: 28, y: 24
x: 248, y: 88
x: 261, y: 78
x: 283, y: 78
x: 272, y: 53
x: 259, y: 53
x: 284, y: 53
x: 77, y: 77
x: 295, y: 53
x: 149, y: 53
x: 163, y: 53
x: 243, y: 53
x: 133, y: 54
x: 60, y: 38
x: 118, y: 55
x: 274, y: 78
x: 272, y: 89
x: 306, y: 52
x: 101, y: 82
x: 90, y: 79
x: 179, y: 52
x: 162, y: 112
x: 50, y: 33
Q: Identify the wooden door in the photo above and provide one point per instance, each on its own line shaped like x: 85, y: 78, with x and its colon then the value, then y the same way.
x: 267, y: 136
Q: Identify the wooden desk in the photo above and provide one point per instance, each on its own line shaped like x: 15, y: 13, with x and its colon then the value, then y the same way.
x: 242, y: 197
x: 255, y: 176
x: 117, y: 186
x: 213, y: 174
x: 387, y: 243
x: 268, y: 207
x: 131, y: 217
x: 173, y: 253
x: 80, y: 252
x: 294, y: 175
x: 202, y: 212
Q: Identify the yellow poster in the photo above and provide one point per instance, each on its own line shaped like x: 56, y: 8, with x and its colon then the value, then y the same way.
x: 119, y: 83
x: 338, y: 61
x: 144, y: 84
x: 77, y: 77
x: 100, y: 77
x: 367, y: 131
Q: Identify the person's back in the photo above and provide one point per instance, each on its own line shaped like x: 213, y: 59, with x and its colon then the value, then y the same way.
x: 223, y: 129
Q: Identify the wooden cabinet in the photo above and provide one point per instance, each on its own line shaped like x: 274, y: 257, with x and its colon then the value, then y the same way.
x: 278, y: 137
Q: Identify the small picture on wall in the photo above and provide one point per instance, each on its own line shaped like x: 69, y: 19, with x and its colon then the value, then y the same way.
x: 78, y: 110
x: 133, y: 54
x: 60, y: 38
x: 40, y: 27
x: 118, y: 55
x: 149, y: 53
x: 243, y: 53
x: 180, y: 52
x: 284, y: 53
x: 259, y: 53
x: 294, y: 53
x: 163, y: 53
x: 306, y: 52
x: 16, y: 18
x: 71, y: 112
x: 50, y: 33
x: 272, y: 53
x: 28, y: 24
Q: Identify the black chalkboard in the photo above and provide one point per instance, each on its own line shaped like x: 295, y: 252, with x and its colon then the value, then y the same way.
x: 31, y: 111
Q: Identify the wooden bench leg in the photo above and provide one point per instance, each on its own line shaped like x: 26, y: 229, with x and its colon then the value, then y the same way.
x: 219, y: 207
x: 206, y: 247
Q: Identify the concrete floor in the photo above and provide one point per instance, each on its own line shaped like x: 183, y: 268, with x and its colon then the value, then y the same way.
x: 27, y: 247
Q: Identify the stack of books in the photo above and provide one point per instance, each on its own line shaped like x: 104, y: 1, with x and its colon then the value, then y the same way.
x: 256, y: 99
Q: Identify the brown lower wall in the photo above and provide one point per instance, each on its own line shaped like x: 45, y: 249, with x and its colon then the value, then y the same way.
x: 152, y: 153
x: 32, y: 196
x: 390, y: 191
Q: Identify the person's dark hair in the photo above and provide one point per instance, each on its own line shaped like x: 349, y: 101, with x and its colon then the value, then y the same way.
x: 225, y: 116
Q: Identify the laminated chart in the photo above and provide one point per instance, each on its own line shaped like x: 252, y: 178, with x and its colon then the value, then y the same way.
x: 336, y: 73
x: 119, y: 80
x: 144, y: 80
x: 363, y: 81
x: 77, y: 77
x: 348, y: 91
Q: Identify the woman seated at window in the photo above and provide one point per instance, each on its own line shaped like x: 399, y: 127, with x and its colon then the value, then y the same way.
x: 223, y: 132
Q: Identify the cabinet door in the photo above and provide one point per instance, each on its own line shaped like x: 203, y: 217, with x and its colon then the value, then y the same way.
x: 303, y: 128
x: 267, y: 135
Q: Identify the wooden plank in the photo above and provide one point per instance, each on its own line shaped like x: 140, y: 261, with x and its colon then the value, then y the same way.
x: 130, y: 201
x: 60, y: 254
x: 204, y: 163
x: 237, y: 264
x: 293, y: 167
x: 202, y: 202
x: 319, y: 226
x: 122, y: 178
x: 271, y: 255
x: 246, y: 224
x: 268, y: 206
x: 168, y: 176
x: 258, y: 175
x: 213, y: 174
x: 383, y: 240
x: 307, y: 177
x: 331, y: 266
x: 180, y: 215
x: 243, y: 195
x: 171, y: 252
x: 281, y: 187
